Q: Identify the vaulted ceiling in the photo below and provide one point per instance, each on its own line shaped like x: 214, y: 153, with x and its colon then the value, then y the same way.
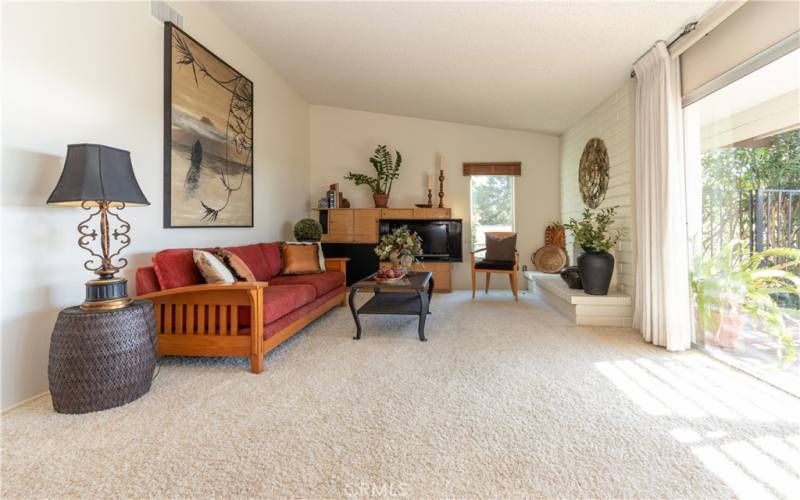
x: 536, y: 66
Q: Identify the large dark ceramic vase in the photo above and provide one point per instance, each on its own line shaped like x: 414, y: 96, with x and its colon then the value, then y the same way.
x: 596, y: 269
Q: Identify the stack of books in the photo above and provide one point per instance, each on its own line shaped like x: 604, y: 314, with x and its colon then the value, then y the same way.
x: 334, y: 196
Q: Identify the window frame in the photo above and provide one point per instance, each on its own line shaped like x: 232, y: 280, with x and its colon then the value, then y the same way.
x: 479, y: 244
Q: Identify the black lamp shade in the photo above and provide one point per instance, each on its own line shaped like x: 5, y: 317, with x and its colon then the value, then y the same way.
x: 94, y: 173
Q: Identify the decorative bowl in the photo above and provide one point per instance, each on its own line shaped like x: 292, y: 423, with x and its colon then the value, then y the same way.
x: 390, y: 280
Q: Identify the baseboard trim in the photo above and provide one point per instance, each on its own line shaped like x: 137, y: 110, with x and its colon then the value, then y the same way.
x: 25, y: 401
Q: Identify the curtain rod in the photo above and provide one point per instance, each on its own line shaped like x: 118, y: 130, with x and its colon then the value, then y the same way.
x: 685, y: 31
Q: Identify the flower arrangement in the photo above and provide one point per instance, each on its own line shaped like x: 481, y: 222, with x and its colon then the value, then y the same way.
x: 592, y: 232
x: 402, y: 247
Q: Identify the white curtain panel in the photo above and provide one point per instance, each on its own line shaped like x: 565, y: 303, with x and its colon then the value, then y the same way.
x: 662, y: 311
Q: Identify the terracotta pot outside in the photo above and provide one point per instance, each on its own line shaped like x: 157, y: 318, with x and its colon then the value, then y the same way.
x: 730, y: 324
x: 381, y: 200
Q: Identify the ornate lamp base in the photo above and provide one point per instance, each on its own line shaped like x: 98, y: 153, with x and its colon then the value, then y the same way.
x: 105, y: 294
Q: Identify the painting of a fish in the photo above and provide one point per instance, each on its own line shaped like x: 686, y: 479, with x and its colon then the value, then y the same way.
x: 208, y: 137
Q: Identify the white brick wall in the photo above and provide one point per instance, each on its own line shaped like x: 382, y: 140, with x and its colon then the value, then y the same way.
x: 611, y: 121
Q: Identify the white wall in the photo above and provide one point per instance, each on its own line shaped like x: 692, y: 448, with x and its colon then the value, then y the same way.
x: 343, y: 140
x: 93, y: 72
x: 613, y: 122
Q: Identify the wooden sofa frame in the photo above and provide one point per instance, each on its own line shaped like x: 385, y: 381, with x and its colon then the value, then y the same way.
x: 203, y: 320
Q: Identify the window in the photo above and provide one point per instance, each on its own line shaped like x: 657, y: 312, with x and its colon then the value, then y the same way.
x: 743, y: 199
x: 491, y: 206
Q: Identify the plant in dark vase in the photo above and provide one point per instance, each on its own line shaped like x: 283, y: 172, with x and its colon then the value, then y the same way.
x: 595, y: 236
x: 307, y: 230
x: 386, y: 171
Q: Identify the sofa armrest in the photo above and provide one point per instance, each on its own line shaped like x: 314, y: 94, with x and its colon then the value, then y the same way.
x: 208, y: 309
x: 237, y: 288
x: 337, y: 264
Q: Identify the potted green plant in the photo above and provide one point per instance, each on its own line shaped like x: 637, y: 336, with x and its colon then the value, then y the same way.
x: 731, y: 287
x: 307, y: 230
x: 594, y: 235
x: 401, y: 247
x: 386, y: 172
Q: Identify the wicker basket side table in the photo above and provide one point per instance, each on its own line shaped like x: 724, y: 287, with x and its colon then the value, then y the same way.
x: 100, y: 360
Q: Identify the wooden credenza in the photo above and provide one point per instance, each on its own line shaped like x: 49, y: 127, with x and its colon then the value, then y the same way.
x: 352, y: 232
x: 360, y: 225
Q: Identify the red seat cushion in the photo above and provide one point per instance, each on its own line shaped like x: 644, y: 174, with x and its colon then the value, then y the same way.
x: 175, y: 268
x: 276, y: 326
x: 280, y: 301
x: 322, y: 282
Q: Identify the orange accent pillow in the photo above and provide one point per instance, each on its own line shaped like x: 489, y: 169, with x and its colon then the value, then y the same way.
x: 300, y: 259
x: 236, y: 265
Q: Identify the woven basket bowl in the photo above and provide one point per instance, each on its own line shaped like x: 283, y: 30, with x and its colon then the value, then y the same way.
x: 549, y: 259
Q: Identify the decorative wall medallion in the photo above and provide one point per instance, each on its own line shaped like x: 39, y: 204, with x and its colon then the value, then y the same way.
x: 593, y: 173
x: 208, y: 138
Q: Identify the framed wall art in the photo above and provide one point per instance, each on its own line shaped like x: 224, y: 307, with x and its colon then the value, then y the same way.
x: 208, y: 137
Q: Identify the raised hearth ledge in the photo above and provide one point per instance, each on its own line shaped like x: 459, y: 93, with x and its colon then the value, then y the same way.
x: 614, y: 309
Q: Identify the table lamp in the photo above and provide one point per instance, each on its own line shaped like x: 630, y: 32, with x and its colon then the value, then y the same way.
x: 100, y: 179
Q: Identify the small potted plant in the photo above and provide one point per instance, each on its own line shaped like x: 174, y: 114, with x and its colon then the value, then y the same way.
x: 386, y: 172
x: 594, y: 235
x: 307, y: 230
x: 401, y: 247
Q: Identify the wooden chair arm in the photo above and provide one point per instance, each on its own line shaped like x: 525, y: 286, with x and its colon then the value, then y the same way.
x: 478, y: 251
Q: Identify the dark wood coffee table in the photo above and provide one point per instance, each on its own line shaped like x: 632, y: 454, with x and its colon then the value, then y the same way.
x: 411, y: 296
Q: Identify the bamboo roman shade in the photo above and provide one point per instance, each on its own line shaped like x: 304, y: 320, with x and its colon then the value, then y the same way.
x: 493, y: 168
x: 750, y: 31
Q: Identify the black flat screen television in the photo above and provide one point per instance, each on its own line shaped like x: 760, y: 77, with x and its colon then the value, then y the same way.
x: 441, y: 238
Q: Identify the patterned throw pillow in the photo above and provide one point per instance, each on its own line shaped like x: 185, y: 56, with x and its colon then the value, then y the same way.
x: 212, y: 269
x: 236, y: 265
x: 300, y: 259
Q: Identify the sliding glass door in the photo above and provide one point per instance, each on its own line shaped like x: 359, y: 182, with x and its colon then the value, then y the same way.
x: 742, y: 146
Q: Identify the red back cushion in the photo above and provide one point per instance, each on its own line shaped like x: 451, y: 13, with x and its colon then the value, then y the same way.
x: 272, y: 255
x: 175, y: 268
x: 254, y: 258
x: 146, y: 280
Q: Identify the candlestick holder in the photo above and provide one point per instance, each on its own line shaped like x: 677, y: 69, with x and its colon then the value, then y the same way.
x: 441, y: 188
x: 430, y: 197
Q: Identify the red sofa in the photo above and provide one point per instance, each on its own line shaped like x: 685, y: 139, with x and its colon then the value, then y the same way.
x: 197, y: 319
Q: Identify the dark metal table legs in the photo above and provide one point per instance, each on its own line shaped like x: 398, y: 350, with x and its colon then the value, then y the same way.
x: 355, y: 312
x: 424, y: 309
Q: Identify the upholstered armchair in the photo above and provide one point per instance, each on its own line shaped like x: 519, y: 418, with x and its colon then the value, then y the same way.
x: 501, y: 257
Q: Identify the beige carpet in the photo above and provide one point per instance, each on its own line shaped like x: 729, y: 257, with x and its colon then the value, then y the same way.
x: 504, y: 400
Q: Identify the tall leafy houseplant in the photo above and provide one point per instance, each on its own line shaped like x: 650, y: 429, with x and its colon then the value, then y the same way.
x: 386, y: 171
x: 594, y: 234
x: 731, y: 288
